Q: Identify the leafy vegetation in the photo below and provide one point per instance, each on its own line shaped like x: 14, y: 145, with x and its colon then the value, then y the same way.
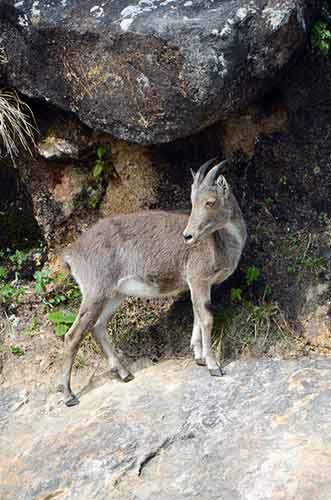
x: 18, y: 259
x: 3, y: 273
x: 50, y: 288
x: 10, y: 289
x: 17, y: 350
x: 10, y: 293
x: 62, y: 321
x: 252, y: 275
x: 104, y: 165
x: 236, y: 294
x: 320, y: 37
x: 103, y: 171
x: 42, y: 279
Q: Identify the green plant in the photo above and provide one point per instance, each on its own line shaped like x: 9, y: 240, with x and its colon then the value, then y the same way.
x: 42, y: 278
x: 252, y: 275
x: 323, y: 218
x: 312, y: 264
x: 320, y: 37
x: 18, y: 259
x: 102, y: 172
x: 17, y: 350
x: 236, y: 294
x: 104, y: 165
x: 267, y: 291
x: 61, y: 321
x: 31, y: 331
x: 67, y: 292
x: 3, y: 273
x: 100, y: 163
x: 8, y: 293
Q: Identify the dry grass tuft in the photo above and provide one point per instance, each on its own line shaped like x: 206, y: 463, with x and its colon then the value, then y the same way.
x: 16, y: 129
x: 253, y: 329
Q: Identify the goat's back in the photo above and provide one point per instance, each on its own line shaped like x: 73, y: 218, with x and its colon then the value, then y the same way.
x: 147, y: 244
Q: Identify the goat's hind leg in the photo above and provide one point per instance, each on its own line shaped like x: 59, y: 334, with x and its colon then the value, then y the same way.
x: 86, y: 318
x: 101, y: 334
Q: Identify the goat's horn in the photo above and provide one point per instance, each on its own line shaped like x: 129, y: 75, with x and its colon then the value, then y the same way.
x: 214, y: 173
x: 199, y: 176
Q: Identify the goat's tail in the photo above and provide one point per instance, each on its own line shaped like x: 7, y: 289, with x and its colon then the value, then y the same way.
x: 74, y: 268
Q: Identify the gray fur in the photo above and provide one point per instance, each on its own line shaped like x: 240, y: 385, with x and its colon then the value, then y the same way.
x: 145, y: 254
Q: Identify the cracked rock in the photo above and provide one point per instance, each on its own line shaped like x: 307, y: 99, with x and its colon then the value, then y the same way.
x: 262, y: 432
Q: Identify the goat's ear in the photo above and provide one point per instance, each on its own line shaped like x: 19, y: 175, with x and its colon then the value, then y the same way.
x: 222, y: 186
x: 193, y: 174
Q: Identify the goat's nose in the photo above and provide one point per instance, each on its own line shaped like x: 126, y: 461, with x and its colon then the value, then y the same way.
x: 187, y: 237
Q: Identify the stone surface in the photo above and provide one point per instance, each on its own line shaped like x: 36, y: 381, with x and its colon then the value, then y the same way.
x: 261, y: 432
x: 137, y: 184
x: 150, y: 71
x: 315, y: 315
x: 55, y: 189
x: 55, y: 147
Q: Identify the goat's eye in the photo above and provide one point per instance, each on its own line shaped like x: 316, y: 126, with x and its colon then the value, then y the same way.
x: 210, y: 203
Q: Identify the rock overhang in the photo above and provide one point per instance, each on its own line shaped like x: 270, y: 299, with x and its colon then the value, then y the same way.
x: 150, y: 71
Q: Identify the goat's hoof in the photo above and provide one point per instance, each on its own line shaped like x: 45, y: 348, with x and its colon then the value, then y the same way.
x: 73, y: 401
x: 200, y: 361
x: 123, y: 374
x: 128, y: 377
x: 216, y: 372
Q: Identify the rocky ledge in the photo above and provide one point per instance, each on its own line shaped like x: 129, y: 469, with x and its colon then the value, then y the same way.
x: 261, y: 432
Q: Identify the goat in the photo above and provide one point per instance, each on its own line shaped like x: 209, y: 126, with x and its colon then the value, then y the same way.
x: 154, y: 254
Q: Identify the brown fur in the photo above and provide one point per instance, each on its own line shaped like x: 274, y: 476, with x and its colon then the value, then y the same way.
x: 145, y: 254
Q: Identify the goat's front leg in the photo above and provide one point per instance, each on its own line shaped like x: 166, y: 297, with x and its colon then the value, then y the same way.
x: 196, y: 340
x: 200, y: 295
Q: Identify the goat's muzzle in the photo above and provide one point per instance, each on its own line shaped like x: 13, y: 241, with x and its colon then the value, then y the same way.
x: 188, y: 238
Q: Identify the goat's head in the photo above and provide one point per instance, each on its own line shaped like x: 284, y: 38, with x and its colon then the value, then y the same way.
x: 211, y: 203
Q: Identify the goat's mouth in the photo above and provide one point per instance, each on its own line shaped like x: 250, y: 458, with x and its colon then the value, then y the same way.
x: 189, y: 239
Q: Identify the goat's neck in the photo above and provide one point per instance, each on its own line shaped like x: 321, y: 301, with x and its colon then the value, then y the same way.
x: 230, y: 240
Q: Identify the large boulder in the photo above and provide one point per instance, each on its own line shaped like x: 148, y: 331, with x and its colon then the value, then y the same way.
x: 262, y: 432
x: 149, y: 71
